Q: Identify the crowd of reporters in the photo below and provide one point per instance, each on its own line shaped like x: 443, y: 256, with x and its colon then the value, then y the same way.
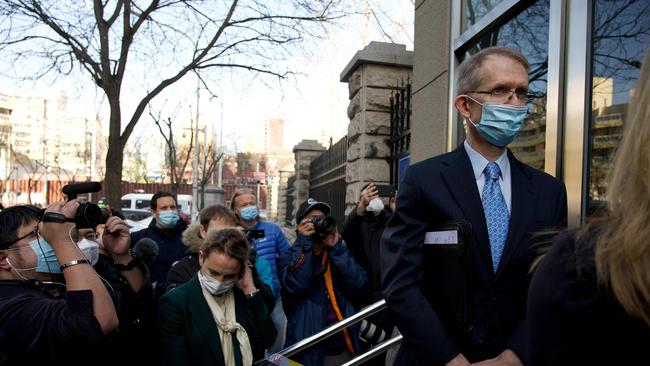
x: 230, y: 289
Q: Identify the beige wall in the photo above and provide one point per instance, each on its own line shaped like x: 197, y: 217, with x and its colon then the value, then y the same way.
x: 429, y: 126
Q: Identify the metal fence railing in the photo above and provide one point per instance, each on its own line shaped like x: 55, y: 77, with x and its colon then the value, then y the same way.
x: 400, y: 130
x: 337, y: 327
x: 327, y: 178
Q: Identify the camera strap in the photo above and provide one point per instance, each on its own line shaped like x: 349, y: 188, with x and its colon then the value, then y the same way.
x: 329, y: 285
x: 56, y: 217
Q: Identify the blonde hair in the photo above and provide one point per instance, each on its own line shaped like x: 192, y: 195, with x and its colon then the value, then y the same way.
x: 622, y: 253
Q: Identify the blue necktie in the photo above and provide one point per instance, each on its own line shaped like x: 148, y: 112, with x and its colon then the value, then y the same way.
x: 496, y: 212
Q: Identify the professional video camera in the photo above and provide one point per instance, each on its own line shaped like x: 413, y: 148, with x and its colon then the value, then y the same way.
x: 88, y: 215
x: 324, y: 226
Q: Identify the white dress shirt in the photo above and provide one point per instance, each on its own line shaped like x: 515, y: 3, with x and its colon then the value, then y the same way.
x: 479, y: 162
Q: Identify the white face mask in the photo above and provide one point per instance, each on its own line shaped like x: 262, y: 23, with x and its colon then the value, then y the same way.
x: 213, y: 286
x: 90, y: 250
x: 375, y: 206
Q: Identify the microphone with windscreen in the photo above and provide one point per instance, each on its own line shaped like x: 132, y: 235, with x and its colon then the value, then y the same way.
x: 73, y: 190
x: 146, y: 250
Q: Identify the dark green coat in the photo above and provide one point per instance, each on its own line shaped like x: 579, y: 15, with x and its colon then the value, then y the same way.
x: 190, y: 336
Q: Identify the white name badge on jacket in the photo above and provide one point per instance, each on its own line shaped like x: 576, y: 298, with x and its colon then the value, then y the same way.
x: 444, y: 237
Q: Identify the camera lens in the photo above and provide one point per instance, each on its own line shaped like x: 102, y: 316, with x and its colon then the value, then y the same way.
x: 323, y: 226
x: 89, y: 215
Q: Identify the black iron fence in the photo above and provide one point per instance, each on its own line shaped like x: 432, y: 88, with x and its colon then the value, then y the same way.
x: 400, y: 132
x: 291, y: 188
x: 327, y: 178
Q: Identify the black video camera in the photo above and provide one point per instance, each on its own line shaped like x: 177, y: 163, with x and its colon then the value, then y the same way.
x: 324, y: 226
x: 88, y: 215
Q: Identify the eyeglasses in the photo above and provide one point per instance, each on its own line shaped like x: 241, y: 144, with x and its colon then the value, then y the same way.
x: 33, y: 233
x: 91, y: 235
x: 507, y: 94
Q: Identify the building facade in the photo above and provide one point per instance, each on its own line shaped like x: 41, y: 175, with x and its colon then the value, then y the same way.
x: 41, y: 141
x: 585, y: 58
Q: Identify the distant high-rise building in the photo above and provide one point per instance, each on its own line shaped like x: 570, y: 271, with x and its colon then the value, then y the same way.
x: 6, y: 107
x: 39, y: 135
x: 274, y: 135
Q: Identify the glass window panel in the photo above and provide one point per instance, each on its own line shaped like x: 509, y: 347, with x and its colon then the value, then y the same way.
x: 621, y: 36
x: 528, y: 33
x: 474, y: 10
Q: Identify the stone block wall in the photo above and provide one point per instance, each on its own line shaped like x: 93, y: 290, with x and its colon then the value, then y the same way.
x: 373, y: 75
x: 282, y: 195
x: 304, y: 152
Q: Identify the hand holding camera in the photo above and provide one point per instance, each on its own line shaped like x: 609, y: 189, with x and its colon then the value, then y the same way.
x: 367, y: 195
x: 116, y: 238
x: 332, y: 238
x: 53, y: 231
x: 306, y: 227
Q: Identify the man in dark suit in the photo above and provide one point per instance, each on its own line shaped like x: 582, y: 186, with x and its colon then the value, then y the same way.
x: 504, y: 201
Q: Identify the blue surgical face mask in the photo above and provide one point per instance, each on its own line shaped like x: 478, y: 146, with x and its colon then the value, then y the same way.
x: 500, y: 123
x: 168, y: 219
x: 46, y: 261
x: 248, y: 213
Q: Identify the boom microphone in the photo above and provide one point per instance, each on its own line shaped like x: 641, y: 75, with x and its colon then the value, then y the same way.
x: 72, y: 190
x: 146, y: 250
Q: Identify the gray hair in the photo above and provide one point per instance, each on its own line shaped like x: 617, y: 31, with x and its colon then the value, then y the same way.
x: 469, y: 71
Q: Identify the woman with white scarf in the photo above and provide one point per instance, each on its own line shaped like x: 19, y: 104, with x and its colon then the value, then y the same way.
x: 218, y: 317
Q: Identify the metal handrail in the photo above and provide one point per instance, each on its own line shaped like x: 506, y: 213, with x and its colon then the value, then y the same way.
x: 375, y: 351
x: 331, y: 330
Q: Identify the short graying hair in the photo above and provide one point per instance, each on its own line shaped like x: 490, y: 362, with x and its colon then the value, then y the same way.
x: 469, y: 71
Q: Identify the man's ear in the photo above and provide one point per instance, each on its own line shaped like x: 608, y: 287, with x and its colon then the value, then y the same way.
x: 201, y: 257
x: 462, y: 105
x: 4, y: 263
x: 202, y: 232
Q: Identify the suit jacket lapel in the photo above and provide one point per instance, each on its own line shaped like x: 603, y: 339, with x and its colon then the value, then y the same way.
x: 203, y: 320
x: 523, y: 207
x: 461, y: 182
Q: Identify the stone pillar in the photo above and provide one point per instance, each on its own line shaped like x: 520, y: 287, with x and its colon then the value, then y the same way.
x: 282, y: 195
x: 304, y: 152
x: 372, y: 75
x: 273, y: 182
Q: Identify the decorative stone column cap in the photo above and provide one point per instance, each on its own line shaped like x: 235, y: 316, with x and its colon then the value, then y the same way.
x: 308, y: 145
x: 379, y: 53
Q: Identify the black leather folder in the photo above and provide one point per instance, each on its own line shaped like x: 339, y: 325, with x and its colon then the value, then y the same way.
x: 447, y: 274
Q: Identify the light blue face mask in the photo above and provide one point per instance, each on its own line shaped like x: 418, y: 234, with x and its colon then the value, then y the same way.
x: 46, y: 261
x: 168, y: 219
x: 248, y: 213
x: 500, y: 123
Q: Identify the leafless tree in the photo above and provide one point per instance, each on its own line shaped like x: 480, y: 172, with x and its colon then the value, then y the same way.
x: 150, y: 45
x: 138, y: 170
x: 34, y: 170
x: 177, y: 156
x: 208, y: 163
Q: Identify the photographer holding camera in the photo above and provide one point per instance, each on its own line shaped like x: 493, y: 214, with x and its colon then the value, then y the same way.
x: 318, y: 274
x: 38, y: 325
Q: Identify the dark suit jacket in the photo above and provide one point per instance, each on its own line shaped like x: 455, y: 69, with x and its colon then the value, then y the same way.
x: 574, y: 320
x: 443, y: 189
x: 189, y: 334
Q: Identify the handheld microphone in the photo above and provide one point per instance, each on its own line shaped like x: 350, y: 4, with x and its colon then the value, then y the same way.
x: 146, y: 250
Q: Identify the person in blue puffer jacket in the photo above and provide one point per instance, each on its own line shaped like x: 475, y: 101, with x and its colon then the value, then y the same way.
x: 318, y: 274
x: 269, y: 247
